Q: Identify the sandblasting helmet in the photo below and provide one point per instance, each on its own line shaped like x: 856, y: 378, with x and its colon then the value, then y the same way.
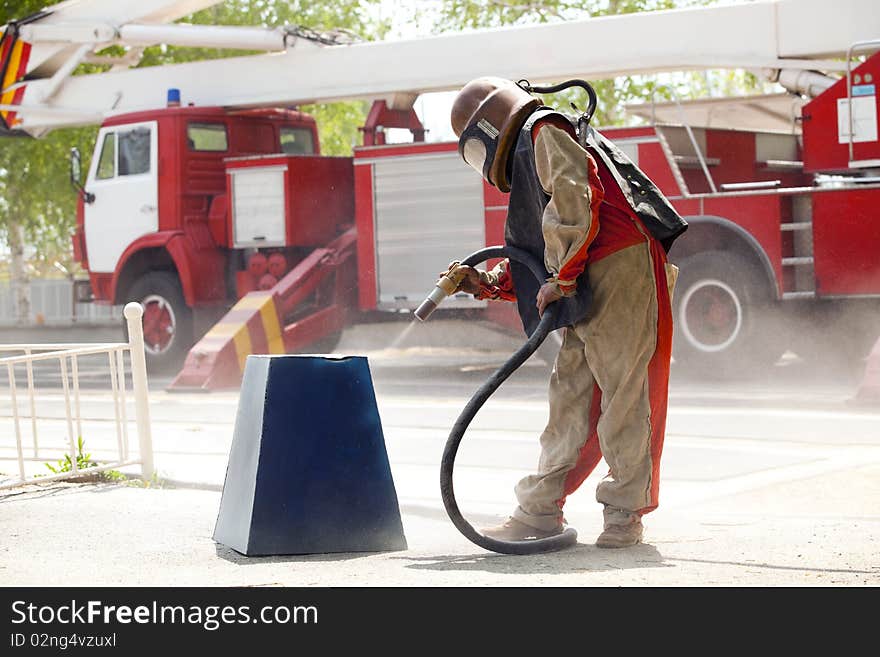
x: 486, y: 116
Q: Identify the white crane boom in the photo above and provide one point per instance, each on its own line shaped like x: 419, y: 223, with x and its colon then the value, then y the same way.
x: 54, y: 35
x: 773, y: 35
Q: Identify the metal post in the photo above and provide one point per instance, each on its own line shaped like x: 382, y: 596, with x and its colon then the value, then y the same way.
x: 74, y: 453
x: 30, y: 379
x: 74, y: 368
x: 111, y: 357
x: 687, y: 127
x: 11, y: 373
x: 134, y: 313
x: 123, y: 407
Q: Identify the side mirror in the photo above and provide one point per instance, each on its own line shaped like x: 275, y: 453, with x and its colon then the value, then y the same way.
x: 75, y: 167
x: 76, y: 176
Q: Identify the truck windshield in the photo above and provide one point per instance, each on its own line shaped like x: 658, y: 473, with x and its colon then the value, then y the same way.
x: 134, y: 151
x: 297, y: 141
x: 125, y: 153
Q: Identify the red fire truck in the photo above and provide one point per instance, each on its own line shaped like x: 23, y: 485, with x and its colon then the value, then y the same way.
x: 195, y: 209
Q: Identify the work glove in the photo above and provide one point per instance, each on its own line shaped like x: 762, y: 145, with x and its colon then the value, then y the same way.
x: 471, y: 281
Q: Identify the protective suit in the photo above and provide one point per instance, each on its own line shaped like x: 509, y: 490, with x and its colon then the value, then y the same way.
x: 602, y: 229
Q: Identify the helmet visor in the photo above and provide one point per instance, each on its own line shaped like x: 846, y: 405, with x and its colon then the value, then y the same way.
x: 477, y: 147
x: 474, y: 153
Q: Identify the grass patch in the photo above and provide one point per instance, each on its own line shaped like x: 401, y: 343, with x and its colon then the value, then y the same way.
x: 84, y: 460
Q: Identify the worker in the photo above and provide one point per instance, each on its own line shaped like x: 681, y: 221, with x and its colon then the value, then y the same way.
x: 602, y: 229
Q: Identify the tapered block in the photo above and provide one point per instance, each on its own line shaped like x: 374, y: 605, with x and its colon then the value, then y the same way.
x: 308, y: 471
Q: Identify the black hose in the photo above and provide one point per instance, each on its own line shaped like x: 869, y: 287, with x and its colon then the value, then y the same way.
x: 533, y: 546
x: 592, y: 101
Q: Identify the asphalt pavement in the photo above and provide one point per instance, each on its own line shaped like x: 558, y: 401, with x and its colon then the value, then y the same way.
x: 769, y: 480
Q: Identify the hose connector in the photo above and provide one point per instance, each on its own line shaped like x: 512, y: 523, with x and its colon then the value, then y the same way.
x: 447, y: 284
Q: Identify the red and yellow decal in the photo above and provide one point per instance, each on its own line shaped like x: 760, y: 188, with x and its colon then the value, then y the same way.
x: 253, y: 326
x: 14, y: 53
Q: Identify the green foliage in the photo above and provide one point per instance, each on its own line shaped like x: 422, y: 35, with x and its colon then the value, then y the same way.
x: 475, y: 14
x: 83, y: 460
x: 131, y: 482
x: 35, y: 192
x: 338, y: 125
x: 18, y: 9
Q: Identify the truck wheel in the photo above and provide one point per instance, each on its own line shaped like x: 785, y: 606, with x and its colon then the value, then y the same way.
x: 168, y: 327
x: 724, y: 317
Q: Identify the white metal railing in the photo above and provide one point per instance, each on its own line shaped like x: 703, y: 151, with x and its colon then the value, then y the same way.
x: 68, y: 357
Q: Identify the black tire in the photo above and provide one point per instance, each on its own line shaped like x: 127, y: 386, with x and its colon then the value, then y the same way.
x: 725, y: 317
x: 160, y: 294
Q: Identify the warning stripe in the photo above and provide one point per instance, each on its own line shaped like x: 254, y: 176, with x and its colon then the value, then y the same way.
x: 11, y: 70
x: 17, y: 64
x: 272, y: 327
x: 5, y: 43
x: 251, y: 332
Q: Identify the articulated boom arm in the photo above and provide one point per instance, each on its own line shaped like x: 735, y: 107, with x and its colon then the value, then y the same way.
x: 771, y: 36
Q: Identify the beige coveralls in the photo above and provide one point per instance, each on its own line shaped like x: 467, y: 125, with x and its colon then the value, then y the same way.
x: 608, y: 389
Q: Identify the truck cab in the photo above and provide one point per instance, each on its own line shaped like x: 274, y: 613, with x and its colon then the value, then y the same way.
x: 153, y: 225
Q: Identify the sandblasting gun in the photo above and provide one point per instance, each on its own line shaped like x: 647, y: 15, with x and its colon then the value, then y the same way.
x: 447, y: 284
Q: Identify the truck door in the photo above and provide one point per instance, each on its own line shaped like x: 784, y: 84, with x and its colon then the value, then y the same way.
x: 123, y: 178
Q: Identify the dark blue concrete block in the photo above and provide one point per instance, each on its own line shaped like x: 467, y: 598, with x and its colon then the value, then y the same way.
x: 308, y: 471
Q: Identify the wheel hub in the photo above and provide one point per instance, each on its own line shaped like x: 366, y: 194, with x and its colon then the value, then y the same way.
x: 159, y: 324
x: 711, y: 315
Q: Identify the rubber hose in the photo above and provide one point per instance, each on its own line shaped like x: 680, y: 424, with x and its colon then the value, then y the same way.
x: 533, y: 546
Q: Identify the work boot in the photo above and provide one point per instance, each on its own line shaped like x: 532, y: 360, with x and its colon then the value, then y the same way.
x: 618, y: 536
x: 514, y: 530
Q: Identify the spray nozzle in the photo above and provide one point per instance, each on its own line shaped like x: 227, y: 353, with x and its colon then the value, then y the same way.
x: 447, y: 284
